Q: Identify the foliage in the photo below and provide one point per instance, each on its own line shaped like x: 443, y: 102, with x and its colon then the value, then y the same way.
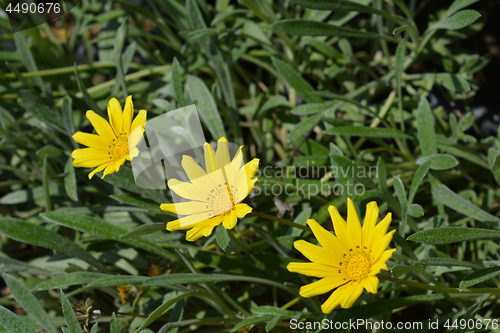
x: 331, y: 96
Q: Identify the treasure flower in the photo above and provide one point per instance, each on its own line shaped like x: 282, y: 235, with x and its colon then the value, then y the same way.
x: 213, y: 196
x: 348, y: 261
x: 110, y: 147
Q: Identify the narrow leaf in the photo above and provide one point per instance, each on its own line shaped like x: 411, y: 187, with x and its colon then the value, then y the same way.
x: 479, y: 276
x: 296, y: 81
x: 11, y: 321
x: 69, y: 315
x: 368, y: 132
x: 29, y: 302
x: 417, y: 179
x: 448, y: 235
x: 439, y: 161
x: 177, y: 81
x: 450, y: 199
x: 458, y: 21
x: 426, y: 132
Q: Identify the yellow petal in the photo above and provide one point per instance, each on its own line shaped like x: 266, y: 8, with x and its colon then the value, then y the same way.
x: 91, y: 140
x: 203, y: 229
x: 187, y: 190
x: 111, y: 168
x: 175, y: 225
x: 312, y: 269
x: 101, y: 126
x: 89, y: 157
x: 99, y: 168
x: 371, y: 217
x: 209, y: 157
x: 245, y: 182
x: 115, y: 116
x: 195, y: 218
x: 380, y: 245
x: 185, y: 208
x: 135, y: 137
x: 381, y: 262
x: 325, y: 238
x: 232, y: 168
x: 353, y: 226
x: 230, y: 220
x: 128, y: 113
x: 193, y: 170
x: 351, y: 292
x: 321, y: 286
x: 222, y: 154
x: 339, y: 225
x: 371, y: 284
x: 139, y: 120
x: 242, y: 210
x: 318, y: 254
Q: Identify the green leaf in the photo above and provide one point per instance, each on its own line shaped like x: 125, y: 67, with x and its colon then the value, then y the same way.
x: 43, y: 113
x: 417, y: 179
x: 177, y: 81
x: 209, y: 46
x: 296, y: 81
x: 145, y: 229
x: 448, y: 235
x: 49, y: 151
x: 207, y: 109
x: 471, y: 313
x: 300, y: 27
x: 303, y: 127
x: 272, y: 323
x: 121, y: 36
x: 86, y: 96
x: 454, y: 82
x: 251, y: 321
x: 273, y: 310
x: 27, y: 58
x: 457, y: 5
x: 415, y: 210
x: 67, y: 113
x: 223, y: 239
x: 12, y: 322
x: 95, y: 328
x: 426, y: 132
x: 115, y: 328
x: 479, y: 277
x: 381, y: 174
x: 135, y: 201
x: 400, y: 59
x: 30, y: 233
x: 69, y: 315
x: 69, y: 279
x: 368, y: 132
x: 348, y: 6
x: 447, y: 262
x: 458, y: 21
x: 101, y: 228
x: 70, y: 180
x: 29, y: 195
x: 439, y: 161
x: 29, y: 302
x: 125, y: 180
x: 8, y: 265
x: 450, y: 199
x: 161, y: 309
x: 496, y: 163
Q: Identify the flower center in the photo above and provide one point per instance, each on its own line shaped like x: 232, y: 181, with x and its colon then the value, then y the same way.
x: 119, y: 148
x: 358, y: 266
x: 220, y: 202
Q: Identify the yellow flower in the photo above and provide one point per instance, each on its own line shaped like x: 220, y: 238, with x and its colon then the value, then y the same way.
x: 213, y: 195
x: 348, y: 261
x: 109, y: 148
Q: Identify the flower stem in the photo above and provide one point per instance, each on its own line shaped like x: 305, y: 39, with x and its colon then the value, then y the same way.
x: 280, y: 220
x: 446, y: 290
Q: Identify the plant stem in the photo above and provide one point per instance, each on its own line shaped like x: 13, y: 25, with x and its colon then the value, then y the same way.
x: 280, y: 220
x: 45, y: 181
x: 446, y: 290
x: 292, y: 302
